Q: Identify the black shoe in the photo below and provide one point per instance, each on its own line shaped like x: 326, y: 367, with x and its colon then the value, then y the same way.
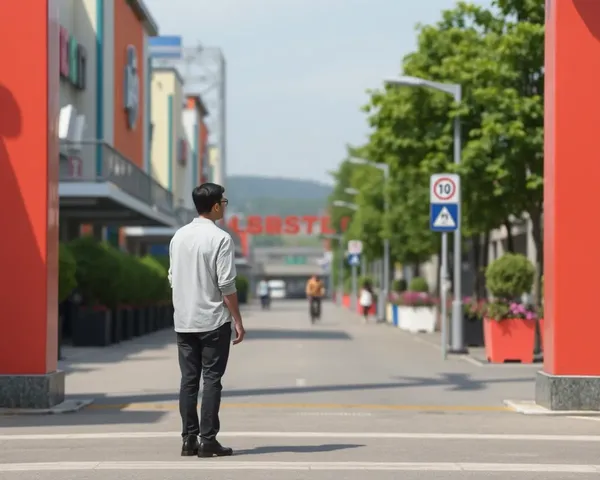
x: 214, y: 449
x: 190, y: 446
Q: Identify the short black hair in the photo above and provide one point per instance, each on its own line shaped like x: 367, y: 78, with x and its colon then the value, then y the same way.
x: 206, y: 196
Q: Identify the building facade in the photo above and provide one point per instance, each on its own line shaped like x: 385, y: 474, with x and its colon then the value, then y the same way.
x: 197, y: 134
x: 169, y: 160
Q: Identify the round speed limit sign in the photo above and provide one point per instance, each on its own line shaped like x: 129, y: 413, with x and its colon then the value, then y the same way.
x: 444, y: 188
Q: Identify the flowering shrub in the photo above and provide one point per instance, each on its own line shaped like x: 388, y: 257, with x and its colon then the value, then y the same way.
x: 415, y: 299
x: 475, y: 308
x: 501, y: 310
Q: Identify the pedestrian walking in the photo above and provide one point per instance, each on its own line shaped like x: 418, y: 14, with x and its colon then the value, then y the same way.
x: 365, y: 299
x: 202, y: 276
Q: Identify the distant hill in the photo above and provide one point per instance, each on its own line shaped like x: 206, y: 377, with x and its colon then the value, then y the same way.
x: 276, y: 196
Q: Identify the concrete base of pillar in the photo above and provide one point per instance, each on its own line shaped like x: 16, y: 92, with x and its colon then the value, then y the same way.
x: 557, y: 392
x: 32, y: 391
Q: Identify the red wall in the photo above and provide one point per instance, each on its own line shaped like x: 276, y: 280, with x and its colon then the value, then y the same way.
x: 128, y: 31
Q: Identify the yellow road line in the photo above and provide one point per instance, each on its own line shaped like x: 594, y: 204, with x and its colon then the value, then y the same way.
x: 313, y: 406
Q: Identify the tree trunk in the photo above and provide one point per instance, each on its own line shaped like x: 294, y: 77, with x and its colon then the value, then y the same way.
x: 417, y: 269
x: 476, y: 254
x: 510, y: 241
x: 538, y: 240
x: 485, y: 260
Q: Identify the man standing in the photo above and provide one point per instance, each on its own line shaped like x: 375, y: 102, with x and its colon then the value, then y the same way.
x: 202, y: 275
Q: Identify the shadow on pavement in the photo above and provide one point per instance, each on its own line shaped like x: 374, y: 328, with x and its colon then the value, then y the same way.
x: 295, y: 449
x: 82, y: 418
x: 448, y: 381
x: 285, y: 334
x: 73, y: 357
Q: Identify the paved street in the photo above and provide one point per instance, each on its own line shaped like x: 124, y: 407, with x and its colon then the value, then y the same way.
x: 334, y: 400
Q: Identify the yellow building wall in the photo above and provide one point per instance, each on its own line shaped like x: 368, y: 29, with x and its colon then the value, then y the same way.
x: 167, y: 111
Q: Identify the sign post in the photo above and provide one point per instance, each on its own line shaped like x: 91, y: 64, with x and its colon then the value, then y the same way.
x: 355, y: 248
x: 444, y: 213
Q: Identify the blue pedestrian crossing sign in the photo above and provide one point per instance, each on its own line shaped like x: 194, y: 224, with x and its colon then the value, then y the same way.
x: 354, y: 259
x: 444, y: 218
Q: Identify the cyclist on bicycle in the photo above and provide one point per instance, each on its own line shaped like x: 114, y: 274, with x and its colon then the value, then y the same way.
x: 315, y: 290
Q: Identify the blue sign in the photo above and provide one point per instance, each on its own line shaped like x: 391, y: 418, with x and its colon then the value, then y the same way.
x: 165, y: 47
x: 354, y: 259
x: 443, y: 217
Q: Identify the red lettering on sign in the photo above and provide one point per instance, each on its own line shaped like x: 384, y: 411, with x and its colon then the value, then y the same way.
x: 310, y: 221
x: 326, y: 227
x: 234, y: 224
x: 292, y: 226
x: 273, y: 225
x: 254, y: 225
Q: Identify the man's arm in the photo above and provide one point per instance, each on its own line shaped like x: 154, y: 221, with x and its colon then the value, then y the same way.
x: 170, y: 273
x: 226, y: 273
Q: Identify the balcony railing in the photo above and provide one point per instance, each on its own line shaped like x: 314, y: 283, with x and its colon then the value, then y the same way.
x: 78, y: 163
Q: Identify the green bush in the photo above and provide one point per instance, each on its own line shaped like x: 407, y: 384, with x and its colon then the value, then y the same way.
x: 155, y: 283
x: 418, y: 284
x: 99, y: 271
x: 242, y: 285
x: 399, y: 285
x: 67, y: 269
x: 131, y: 285
x: 510, y: 276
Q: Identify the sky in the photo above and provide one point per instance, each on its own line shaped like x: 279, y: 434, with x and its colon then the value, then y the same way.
x: 298, y: 71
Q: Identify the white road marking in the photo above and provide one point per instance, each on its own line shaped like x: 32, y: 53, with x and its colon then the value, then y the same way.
x: 322, y: 466
x: 341, y: 435
x: 593, y: 419
x: 334, y: 414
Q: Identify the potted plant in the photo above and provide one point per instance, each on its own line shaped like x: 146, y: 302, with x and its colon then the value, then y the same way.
x: 398, y: 286
x: 416, y: 308
x: 473, y: 315
x: 509, y: 325
x: 98, y: 272
x: 242, y: 285
x: 67, y: 268
x: 155, y: 277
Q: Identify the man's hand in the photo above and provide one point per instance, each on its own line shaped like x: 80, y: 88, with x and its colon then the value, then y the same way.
x: 240, y: 333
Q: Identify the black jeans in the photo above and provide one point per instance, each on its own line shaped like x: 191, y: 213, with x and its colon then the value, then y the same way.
x: 314, y: 307
x: 202, y: 354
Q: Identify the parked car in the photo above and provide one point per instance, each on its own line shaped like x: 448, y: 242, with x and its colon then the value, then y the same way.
x: 277, y: 288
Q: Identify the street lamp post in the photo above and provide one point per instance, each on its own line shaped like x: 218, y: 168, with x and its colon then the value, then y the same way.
x: 363, y: 259
x: 454, y: 89
x: 354, y: 295
x: 339, y: 239
x: 385, y: 168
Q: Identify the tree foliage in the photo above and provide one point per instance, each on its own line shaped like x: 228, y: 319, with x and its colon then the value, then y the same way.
x: 496, y: 55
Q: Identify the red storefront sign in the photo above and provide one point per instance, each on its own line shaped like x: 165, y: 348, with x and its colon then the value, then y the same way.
x: 290, y: 225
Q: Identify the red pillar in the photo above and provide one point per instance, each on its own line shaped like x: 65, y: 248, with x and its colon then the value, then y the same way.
x: 29, y: 105
x: 571, y: 376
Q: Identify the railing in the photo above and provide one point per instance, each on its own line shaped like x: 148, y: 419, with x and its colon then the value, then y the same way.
x: 78, y: 163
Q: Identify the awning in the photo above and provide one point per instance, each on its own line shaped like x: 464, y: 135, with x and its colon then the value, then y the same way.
x: 118, y: 193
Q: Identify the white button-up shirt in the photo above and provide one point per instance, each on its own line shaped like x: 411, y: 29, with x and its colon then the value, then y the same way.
x: 201, y: 271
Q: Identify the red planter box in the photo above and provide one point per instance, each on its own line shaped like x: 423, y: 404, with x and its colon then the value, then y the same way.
x: 541, y: 320
x: 508, y: 340
x: 346, y: 301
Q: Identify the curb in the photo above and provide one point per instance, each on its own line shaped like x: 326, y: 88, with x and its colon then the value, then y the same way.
x: 529, y: 407
x: 68, y: 406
